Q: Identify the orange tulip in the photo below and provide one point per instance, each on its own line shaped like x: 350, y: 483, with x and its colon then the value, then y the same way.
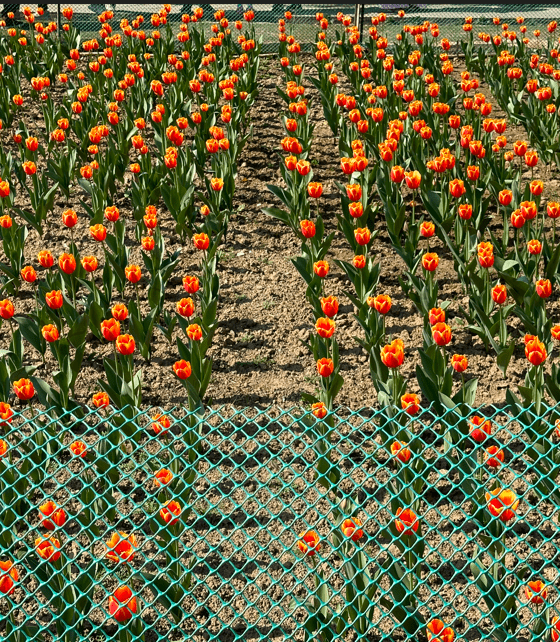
x: 517, y: 219
x: 163, y: 477
x: 50, y: 333
x: 170, y: 513
x: 110, y: 329
x: 329, y: 306
x: 413, y: 179
x: 29, y: 168
x: 430, y: 261
x: 315, y: 190
x: 325, y: 327
x: 438, y: 632
x: 536, y: 188
x: 427, y: 229
x: 519, y: 148
x: 24, y: 390
x: 121, y: 547
x: 486, y: 255
x: 48, y: 549
x: 499, y: 294
x: 32, y: 143
x: 393, y: 355
x: 45, y: 259
x: 441, y: 334
x: 531, y: 159
x: 191, y: 284
x: 437, y: 315
x: 319, y: 410
x: 473, y: 173
x: 122, y: 604
x: 397, y: 174
x: 354, y: 192
x: 457, y: 188
x: 535, y: 351
x: 309, y: 543
x: 100, y: 400
x: 494, y: 457
x: 98, y: 232
x: 125, y: 344
x: 112, y: 213
x: 133, y: 273
x: 28, y: 274
x: 6, y: 309
x: 89, y: 263
x: 459, y: 363
x: 351, y: 528
x: 528, y: 209
x: 6, y: 413
x: 536, y: 592
x: 67, y: 263
x: 544, y: 288
x: 359, y: 262
x: 321, y: 269
x: 410, y: 403
x: 362, y: 235
x: 194, y: 332
x: 454, y: 122
x: 201, y: 241
x: 307, y: 229
x: 502, y: 504
x: 325, y: 367
x: 161, y: 424
x: 553, y: 210
x: 406, y: 522
x: 186, y: 307
x: 8, y: 577
x: 382, y: 304
x: 480, y: 429
x: 78, y: 449
x: 401, y: 452
x: 182, y: 369
x: 51, y: 516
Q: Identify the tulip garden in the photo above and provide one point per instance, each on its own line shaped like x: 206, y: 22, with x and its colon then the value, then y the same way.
x: 279, y: 335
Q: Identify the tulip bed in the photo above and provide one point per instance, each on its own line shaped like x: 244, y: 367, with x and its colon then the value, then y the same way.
x: 419, y: 519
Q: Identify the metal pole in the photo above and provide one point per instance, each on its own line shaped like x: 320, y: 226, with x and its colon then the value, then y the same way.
x: 362, y: 21
x: 357, y: 16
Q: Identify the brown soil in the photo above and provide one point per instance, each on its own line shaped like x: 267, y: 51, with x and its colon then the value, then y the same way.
x: 243, y: 537
x: 259, y: 356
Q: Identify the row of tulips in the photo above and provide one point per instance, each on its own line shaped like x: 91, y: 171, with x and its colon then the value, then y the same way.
x: 171, y: 126
x: 455, y: 199
x: 451, y: 186
x: 208, y: 92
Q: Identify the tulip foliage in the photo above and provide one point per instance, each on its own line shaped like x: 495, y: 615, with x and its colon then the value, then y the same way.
x: 160, y: 120
x: 424, y: 141
x: 116, y: 524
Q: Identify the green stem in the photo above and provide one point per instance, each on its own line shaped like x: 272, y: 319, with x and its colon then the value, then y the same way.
x: 137, y: 300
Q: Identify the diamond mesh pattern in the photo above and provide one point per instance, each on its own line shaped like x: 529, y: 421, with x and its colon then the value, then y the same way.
x: 250, y: 485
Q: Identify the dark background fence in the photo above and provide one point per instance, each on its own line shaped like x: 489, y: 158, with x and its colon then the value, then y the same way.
x: 448, y: 16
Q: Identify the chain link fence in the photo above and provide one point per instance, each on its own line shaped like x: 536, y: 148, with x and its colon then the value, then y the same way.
x: 253, y: 525
x: 448, y: 16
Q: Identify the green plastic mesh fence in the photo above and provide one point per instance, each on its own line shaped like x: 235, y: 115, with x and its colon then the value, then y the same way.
x: 278, y: 525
